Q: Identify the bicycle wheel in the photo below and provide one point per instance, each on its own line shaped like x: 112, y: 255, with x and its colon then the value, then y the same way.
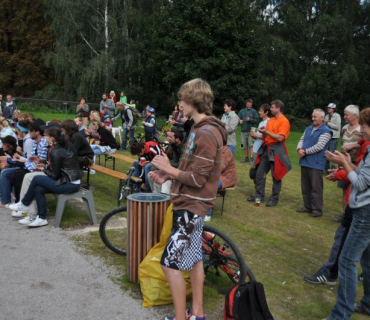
x: 223, y: 262
x: 113, y: 230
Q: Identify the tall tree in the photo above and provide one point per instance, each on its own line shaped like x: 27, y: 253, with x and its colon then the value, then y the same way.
x: 25, y: 38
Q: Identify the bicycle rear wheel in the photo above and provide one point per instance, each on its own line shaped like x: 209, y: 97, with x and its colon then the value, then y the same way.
x: 223, y: 262
x: 113, y: 230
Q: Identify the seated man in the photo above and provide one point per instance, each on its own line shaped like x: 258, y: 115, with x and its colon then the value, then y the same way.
x: 228, y: 175
x: 146, y: 152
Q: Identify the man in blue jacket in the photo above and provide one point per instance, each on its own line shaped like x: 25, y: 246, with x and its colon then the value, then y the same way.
x: 311, y: 151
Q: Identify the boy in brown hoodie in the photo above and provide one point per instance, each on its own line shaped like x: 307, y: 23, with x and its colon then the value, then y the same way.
x: 193, y: 192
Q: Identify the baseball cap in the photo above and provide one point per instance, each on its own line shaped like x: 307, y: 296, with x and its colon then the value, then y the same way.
x: 36, y: 125
x: 150, y: 109
x: 10, y: 140
x: 332, y: 105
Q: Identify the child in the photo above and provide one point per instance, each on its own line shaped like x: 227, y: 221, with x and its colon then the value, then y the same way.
x: 149, y: 125
x: 193, y: 193
x: 108, y: 122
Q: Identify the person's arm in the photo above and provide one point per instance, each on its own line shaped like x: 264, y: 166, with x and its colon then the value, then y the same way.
x: 320, y: 145
x: 335, y: 122
x: 232, y: 125
x: 86, y: 108
x: 56, y: 162
x: 101, y: 106
x: 277, y: 137
x: 118, y: 116
x: 254, y: 117
x: 130, y: 118
x: 151, y: 123
x: 301, y: 140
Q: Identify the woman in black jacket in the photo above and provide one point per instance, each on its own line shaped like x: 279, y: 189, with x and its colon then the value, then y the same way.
x: 106, y: 143
x: 63, y: 175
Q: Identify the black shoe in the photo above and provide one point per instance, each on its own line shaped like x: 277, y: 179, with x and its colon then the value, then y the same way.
x: 246, y: 160
x: 271, y: 203
x: 360, y: 309
x: 303, y: 210
x: 252, y: 198
x: 315, y: 214
x: 320, y: 278
x: 339, y: 218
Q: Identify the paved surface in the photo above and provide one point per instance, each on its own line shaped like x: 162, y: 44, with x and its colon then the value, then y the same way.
x: 44, y: 277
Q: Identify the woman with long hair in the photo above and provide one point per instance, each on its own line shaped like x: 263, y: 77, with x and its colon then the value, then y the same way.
x: 63, y: 175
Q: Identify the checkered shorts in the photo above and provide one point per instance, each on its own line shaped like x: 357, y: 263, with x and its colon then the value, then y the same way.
x: 184, y: 247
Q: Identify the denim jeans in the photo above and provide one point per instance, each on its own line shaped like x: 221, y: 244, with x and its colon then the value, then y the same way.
x: 6, y: 184
x: 42, y: 185
x: 232, y: 149
x: 356, y: 247
x: 131, y: 133
x: 138, y: 172
x: 210, y: 211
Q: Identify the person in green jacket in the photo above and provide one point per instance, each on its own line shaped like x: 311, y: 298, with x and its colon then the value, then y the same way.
x: 248, y: 119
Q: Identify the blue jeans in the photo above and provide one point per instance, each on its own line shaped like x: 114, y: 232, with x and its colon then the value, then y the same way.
x: 138, y: 171
x: 42, y: 185
x: 327, y: 267
x: 6, y: 184
x: 131, y: 133
x: 356, y: 247
x: 210, y: 211
x: 232, y: 149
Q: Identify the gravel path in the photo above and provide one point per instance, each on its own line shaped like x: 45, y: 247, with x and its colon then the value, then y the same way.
x: 44, y: 277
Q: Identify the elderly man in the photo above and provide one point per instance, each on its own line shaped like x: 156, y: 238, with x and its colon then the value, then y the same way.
x: 311, y: 151
x: 9, y: 107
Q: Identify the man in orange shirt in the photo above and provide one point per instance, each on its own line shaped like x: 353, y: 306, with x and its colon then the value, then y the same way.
x: 272, y: 155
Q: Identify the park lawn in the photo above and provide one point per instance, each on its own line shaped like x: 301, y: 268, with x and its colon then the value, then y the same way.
x: 278, y: 244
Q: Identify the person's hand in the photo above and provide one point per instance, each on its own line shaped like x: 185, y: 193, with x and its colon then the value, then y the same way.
x: 16, y: 156
x: 337, y: 157
x: 301, y: 153
x: 40, y: 166
x: 248, y: 118
x: 262, y: 129
x: 129, y: 128
x: 241, y: 121
x: 143, y: 163
x: 253, y: 134
x: 331, y: 175
x: 19, y: 149
x: 87, y: 132
x: 184, y: 119
x: 34, y: 159
x: 159, y: 176
x: 162, y: 162
x: 143, y: 123
x: 349, y: 147
x: 97, y: 142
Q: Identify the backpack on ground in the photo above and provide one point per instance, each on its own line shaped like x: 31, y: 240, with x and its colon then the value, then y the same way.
x: 247, y: 302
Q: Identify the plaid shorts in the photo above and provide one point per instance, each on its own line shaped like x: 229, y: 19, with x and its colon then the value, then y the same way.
x: 184, y: 247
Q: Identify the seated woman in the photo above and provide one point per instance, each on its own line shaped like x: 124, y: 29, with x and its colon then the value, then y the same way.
x: 6, y: 129
x: 105, y: 143
x: 228, y: 175
x: 63, y: 175
x: 146, y: 152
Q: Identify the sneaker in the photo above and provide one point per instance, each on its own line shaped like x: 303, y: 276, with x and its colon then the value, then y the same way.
x: 194, y: 317
x: 252, y: 198
x: 17, y: 214
x: 4, y: 205
x: 315, y: 214
x: 207, y: 218
x: 19, y: 206
x: 92, y: 171
x: 246, y: 160
x: 25, y: 221
x: 320, y: 278
x: 339, y: 218
x: 38, y: 222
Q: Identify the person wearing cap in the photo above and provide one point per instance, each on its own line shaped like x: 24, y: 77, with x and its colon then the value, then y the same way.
x: 129, y: 123
x: 107, y: 119
x: 149, y: 125
x: 333, y: 121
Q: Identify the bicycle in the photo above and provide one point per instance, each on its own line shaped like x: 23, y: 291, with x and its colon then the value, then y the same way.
x: 224, y: 265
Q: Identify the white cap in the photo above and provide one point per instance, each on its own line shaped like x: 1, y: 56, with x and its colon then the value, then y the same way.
x: 332, y: 105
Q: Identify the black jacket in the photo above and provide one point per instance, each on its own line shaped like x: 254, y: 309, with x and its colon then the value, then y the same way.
x: 106, y: 138
x: 81, y: 145
x: 64, y: 165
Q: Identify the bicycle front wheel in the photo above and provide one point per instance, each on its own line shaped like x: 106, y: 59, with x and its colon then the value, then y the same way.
x: 113, y: 230
x: 223, y: 262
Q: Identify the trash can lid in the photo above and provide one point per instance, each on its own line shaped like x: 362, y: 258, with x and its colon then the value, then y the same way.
x: 148, y: 197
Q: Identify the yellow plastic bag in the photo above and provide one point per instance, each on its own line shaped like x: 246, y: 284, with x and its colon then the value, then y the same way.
x: 153, y: 284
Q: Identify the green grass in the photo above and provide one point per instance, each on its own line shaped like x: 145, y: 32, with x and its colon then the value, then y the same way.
x: 278, y: 244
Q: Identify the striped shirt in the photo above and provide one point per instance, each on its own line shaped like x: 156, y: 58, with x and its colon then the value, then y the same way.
x: 321, y: 143
x: 39, y: 149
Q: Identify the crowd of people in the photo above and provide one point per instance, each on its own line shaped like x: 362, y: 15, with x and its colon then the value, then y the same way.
x: 197, y: 161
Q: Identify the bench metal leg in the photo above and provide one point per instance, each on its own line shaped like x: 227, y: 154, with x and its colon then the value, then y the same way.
x: 223, y: 194
x: 120, y: 186
x: 59, y: 210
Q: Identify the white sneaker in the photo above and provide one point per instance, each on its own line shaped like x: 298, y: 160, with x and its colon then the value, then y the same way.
x: 25, y: 221
x: 207, y: 218
x: 19, y: 206
x: 38, y: 222
x: 17, y: 214
x: 92, y: 171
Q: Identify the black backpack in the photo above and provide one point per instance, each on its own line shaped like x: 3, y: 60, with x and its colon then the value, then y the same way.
x: 247, y: 302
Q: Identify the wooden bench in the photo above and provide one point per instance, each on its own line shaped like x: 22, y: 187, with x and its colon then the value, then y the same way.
x: 122, y: 177
x: 114, y: 156
x: 222, y: 193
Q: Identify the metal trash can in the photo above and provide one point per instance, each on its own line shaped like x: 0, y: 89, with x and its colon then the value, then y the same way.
x: 145, y: 218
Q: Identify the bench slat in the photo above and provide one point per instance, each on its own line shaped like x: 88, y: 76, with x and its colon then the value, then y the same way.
x: 122, y: 157
x: 113, y: 173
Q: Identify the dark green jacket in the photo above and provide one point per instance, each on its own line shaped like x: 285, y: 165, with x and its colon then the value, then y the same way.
x: 247, y: 125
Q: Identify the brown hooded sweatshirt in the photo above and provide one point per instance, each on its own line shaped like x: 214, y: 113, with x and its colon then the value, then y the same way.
x: 200, y: 166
